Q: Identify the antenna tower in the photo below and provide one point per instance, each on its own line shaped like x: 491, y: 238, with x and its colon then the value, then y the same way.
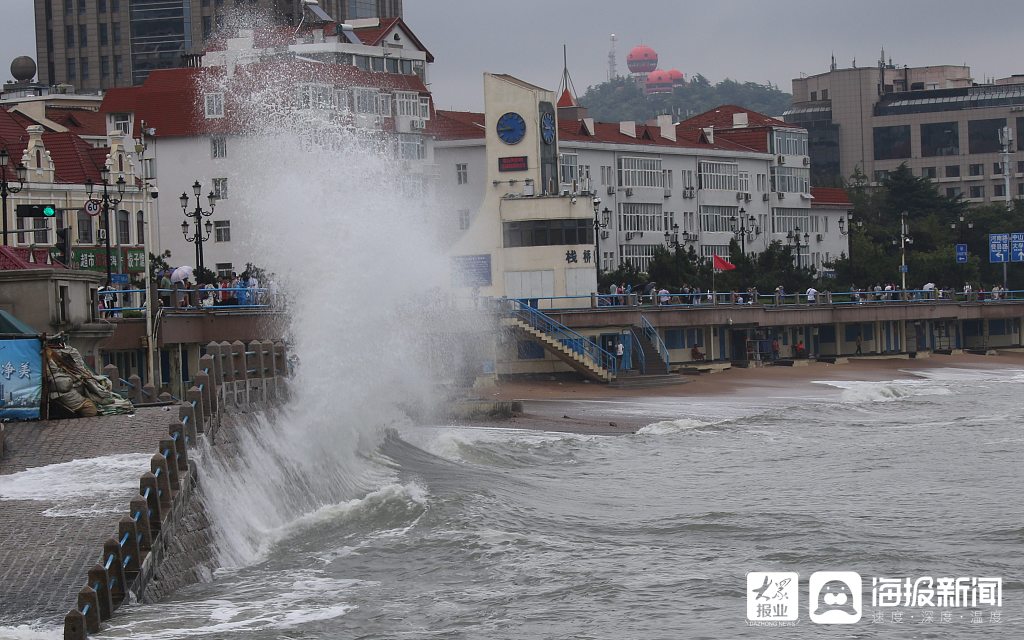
x: 612, y: 71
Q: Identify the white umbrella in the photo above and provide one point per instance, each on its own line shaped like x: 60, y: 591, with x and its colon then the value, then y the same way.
x: 181, y: 273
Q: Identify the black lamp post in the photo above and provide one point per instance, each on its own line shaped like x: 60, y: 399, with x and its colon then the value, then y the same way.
x: 747, y: 226
x: 197, y: 214
x: 904, y: 241
x: 107, y: 200
x: 601, y: 220
x: 674, y: 240
x: 794, y: 238
x: 6, y: 188
x: 961, y: 226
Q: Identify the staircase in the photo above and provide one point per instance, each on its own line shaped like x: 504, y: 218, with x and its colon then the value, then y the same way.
x: 656, y: 361
x: 576, y: 350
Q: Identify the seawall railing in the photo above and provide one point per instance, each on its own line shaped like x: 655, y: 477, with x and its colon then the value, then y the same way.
x: 229, y: 375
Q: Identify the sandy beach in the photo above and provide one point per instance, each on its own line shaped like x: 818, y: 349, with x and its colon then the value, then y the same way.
x: 584, y: 407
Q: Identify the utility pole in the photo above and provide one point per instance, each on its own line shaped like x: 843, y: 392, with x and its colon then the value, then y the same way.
x: 1006, y: 137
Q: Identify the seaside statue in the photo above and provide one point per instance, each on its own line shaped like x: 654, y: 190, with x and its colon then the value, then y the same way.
x: 74, y: 389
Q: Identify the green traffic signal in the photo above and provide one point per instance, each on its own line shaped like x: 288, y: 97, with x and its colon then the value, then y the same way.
x: 49, y: 211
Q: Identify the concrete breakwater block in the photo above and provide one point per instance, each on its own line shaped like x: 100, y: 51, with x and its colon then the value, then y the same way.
x: 469, y: 409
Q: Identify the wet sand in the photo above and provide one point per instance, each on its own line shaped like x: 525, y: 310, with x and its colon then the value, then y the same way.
x: 593, y: 408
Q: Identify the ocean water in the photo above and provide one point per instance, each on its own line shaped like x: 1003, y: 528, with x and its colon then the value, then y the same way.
x: 499, y: 533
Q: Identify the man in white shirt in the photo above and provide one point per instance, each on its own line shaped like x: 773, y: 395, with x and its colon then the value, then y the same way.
x: 812, y: 295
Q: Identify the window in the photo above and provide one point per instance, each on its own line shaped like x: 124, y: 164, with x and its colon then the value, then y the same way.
x: 785, y: 220
x: 366, y: 100
x: 977, y: 191
x: 1020, y: 189
x: 124, y: 227
x: 724, y: 176
x: 218, y: 147
x: 940, y: 139
x: 640, y: 216
x: 687, y: 178
x: 69, y: 6
x: 220, y: 188
x: 463, y: 219
x: 568, y: 168
x: 791, y: 143
x: 425, y: 107
x: 998, y: 191
x: 83, y: 67
x: 81, y: 6
x: 715, y: 218
x: 983, y: 135
x: 214, y: 105
x: 207, y: 26
x: 720, y: 250
x: 607, y: 176
x: 224, y: 269
x: 762, y: 182
x: 117, y: 66
x: 666, y: 179
x: 541, y: 233
x: 640, y: 172
x: 384, y: 104
x: 976, y: 169
x: 410, y: 147
x: 892, y: 143
x: 638, y: 255
x: 69, y: 35
x: 140, y: 227
x: 953, y: 192
x: 744, y: 181
x: 104, y: 66
x: 953, y: 171
x: 222, y: 231
x: 362, y: 62
x: 791, y: 179
x: 315, y: 96
x: 84, y: 224
x: 814, y: 96
x: 72, y: 71
x: 997, y: 168
x: 461, y: 173
x: 824, y: 94
x: 122, y: 122
x: 881, y: 175
x: 1020, y: 166
x: 115, y: 31
x: 929, y: 172
x: 377, y: 64
x: 407, y: 103
x: 101, y: 6
x: 83, y: 36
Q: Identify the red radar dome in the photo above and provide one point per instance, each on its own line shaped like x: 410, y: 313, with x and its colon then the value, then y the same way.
x: 658, y: 82
x: 642, y: 59
x: 676, y: 75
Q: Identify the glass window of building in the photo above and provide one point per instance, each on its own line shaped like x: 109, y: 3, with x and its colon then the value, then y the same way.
x: 214, y: 103
x: 977, y: 191
x: 140, y: 227
x: 716, y: 218
x: 999, y: 191
x: 953, y: 192
x: 83, y: 36
x: 69, y: 35
x: 84, y: 224
x: 463, y: 219
x: 929, y: 172
x: 723, y: 176
x: 940, y: 139
x: 976, y: 169
x: 218, y: 147
x: 983, y: 135
x: 640, y: 172
x: 222, y: 230
x: 103, y: 34
x: 952, y: 171
x: 124, y: 227
x: 224, y: 269
x: 892, y: 143
x: 640, y: 216
x: 569, y: 168
x: 461, y: 173
x: 220, y: 188
x: 541, y: 233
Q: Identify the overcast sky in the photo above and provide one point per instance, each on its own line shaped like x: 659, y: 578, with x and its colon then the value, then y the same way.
x: 751, y: 40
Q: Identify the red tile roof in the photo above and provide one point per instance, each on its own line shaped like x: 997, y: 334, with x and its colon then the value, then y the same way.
x: 170, y: 101
x: 12, y: 258
x: 722, y: 118
x: 457, y: 125
x: 80, y: 121
x: 74, y: 159
x: 830, y: 196
x: 374, y: 36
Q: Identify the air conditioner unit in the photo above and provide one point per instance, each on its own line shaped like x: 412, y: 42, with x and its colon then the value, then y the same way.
x: 417, y: 125
x: 605, y: 235
x: 629, y: 191
x: 611, y: 191
x: 782, y: 196
x: 565, y: 188
x: 807, y: 162
x: 668, y: 193
x: 820, y: 237
x: 746, y: 197
x: 764, y: 197
x: 782, y: 159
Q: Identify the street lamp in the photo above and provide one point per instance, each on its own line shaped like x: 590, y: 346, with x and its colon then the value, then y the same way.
x: 6, y: 188
x: 746, y: 226
x: 197, y: 214
x: 842, y: 223
x: 794, y: 238
x: 904, y: 240
x: 107, y: 200
x: 961, y: 226
x: 601, y: 220
x: 675, y: 240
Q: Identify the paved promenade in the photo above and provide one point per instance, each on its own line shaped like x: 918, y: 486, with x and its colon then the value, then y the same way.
x: 63, y: 486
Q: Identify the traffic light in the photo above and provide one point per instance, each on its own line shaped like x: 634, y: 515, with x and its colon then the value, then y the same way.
x: 64, y: 245
x: 36, y: 210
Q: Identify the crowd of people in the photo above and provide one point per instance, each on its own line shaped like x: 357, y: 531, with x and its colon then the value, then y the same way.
x: 236, y: 290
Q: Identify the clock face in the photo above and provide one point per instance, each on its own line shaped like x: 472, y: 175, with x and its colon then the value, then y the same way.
x: 547, y: 128
x: 511, y: 128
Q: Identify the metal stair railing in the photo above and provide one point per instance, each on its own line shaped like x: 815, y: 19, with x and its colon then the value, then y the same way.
x: 659, y: 345
x: 563, y: 334
x: 638, y: 352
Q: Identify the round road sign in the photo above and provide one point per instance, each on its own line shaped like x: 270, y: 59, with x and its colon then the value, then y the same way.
x: 92, y: 207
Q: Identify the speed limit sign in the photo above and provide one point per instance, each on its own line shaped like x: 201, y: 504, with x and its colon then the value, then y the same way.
x: 92, y: 207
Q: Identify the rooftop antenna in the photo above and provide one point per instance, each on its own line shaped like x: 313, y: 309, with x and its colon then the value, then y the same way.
x: 566, y: 83
x: 613, y: 72
x: 833, y: 66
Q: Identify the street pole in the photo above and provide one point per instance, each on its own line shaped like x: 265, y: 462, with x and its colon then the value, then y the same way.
x: 106, y: 229
x: 6, y: 188
x: 903, y: 250
x: 147, y: 242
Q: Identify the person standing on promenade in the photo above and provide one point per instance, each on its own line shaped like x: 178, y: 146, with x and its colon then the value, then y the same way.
x: 619, y: 350
x: 165, y: 288
x: 775, y: 348
x: 812, y: 295
x: 860, y: 342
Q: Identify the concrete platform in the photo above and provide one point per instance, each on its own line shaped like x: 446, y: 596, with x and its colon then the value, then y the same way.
x: 47, y: 545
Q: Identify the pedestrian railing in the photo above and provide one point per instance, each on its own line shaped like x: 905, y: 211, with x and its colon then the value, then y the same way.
x: 637, y: 350
x: 115, y: 302
x: 572, y: 340
x: 655, y: 339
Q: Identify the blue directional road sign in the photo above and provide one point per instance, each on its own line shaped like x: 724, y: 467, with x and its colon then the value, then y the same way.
x: 119, y: 278
x: 1017, y: 247
x: 961, y: 253
x: 998, y: 247
x: 904, y: 268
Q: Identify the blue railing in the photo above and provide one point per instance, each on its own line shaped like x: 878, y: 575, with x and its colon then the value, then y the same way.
x: 571, y: 339
x: 611, y: 302
x: 246, y: 298
x: 655, y: 338
x: 640, y: 360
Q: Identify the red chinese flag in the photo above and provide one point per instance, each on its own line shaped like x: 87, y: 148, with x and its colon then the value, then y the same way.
x: 721, y: 264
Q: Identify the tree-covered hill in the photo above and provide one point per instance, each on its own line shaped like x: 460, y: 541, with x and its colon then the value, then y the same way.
x: 622, y: 99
